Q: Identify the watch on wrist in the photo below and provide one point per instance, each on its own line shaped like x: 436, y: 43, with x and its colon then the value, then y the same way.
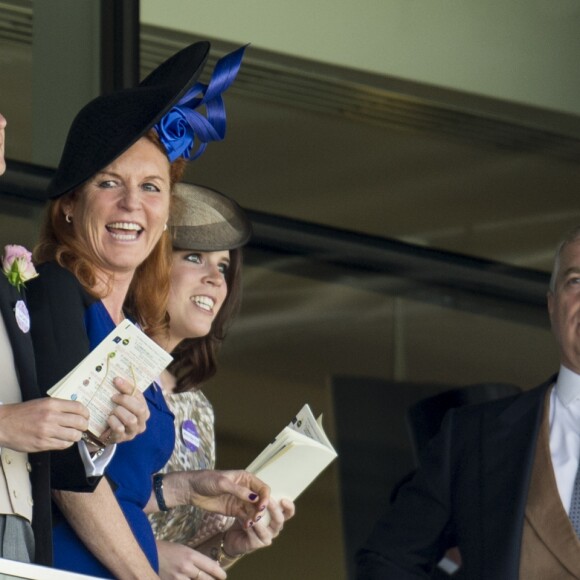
x: 158, y: 490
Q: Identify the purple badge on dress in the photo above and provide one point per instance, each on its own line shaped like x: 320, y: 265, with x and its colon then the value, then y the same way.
x: 190, y: 435
x: 22, y: 316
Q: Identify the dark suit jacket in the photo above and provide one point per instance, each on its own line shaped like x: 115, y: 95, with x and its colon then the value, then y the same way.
x: 25, y: 370
x: 57, y: 303
x: 470, y: 490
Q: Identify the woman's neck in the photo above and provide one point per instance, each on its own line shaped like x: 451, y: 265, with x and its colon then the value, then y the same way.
x: 167, y: 342
x: 168, y: 381
x: 115, y: 289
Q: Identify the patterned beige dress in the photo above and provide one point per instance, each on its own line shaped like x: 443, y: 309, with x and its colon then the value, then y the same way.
x: 194, y: 449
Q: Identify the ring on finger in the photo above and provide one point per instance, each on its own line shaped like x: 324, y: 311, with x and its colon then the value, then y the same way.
x: 198, y: 573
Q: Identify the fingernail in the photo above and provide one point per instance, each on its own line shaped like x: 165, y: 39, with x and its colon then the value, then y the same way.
x: 262, y: 508
x: 258, y: 518
x: 253, y: 496
x: 251, y: 524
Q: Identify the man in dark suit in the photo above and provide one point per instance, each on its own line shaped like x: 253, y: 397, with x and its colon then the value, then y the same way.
x: 29, y: 427
x: 498, y: 481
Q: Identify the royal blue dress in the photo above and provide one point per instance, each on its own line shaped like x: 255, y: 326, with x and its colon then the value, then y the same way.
x: 130, y: 474
x: 134, y: 463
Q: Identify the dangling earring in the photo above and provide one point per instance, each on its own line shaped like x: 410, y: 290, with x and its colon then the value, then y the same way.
x: 68, y: 218
x: 165, y: 228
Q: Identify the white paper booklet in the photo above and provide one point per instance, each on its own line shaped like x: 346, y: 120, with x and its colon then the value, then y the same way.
x: 296, y: 456
x: 126, y: 352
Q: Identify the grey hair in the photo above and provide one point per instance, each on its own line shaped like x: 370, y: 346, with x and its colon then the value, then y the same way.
x: 571, y: 236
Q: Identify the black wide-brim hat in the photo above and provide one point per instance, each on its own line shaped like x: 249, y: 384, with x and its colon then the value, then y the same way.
x: 108, y: 125
x: 206, y: 220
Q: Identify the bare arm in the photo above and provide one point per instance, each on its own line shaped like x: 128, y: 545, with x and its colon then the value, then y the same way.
x: 219, y: 553
x: 232, y: 493
x: 99, y: 522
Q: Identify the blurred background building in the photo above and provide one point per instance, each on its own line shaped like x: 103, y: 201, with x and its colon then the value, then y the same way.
x: 409, y: 166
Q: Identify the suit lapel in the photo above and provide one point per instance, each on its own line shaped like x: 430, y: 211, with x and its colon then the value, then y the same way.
x: 20, y: 341
x: 544, y: 509
x: 508, y: 447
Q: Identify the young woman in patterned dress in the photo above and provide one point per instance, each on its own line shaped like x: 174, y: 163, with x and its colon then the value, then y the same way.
x: 208, y: 230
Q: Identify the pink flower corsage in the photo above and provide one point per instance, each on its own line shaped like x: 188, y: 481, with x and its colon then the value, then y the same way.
x: 17, y: 265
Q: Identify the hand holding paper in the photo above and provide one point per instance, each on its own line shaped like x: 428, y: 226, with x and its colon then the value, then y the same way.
x: 296, y: 456
x: 129, y: 417
x: 126, y: 353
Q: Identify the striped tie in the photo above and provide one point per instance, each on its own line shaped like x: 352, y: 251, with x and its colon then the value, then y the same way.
x: 575, y: 504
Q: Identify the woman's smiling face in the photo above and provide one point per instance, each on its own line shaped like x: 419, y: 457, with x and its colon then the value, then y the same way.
x: 121, y: 211
x: 198, y: 291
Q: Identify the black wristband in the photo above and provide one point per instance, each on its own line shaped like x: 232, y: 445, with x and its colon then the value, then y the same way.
x: 158, y: 489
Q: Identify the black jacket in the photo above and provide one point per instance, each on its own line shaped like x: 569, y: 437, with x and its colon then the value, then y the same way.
x: 57, y: 304
x: 470, y: 490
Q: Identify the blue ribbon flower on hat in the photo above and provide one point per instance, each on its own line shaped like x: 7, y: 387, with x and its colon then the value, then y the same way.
x: 183, y: 124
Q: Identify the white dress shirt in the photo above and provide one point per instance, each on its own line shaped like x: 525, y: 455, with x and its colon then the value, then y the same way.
x: 565, y: 432
x: 96, y: 466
